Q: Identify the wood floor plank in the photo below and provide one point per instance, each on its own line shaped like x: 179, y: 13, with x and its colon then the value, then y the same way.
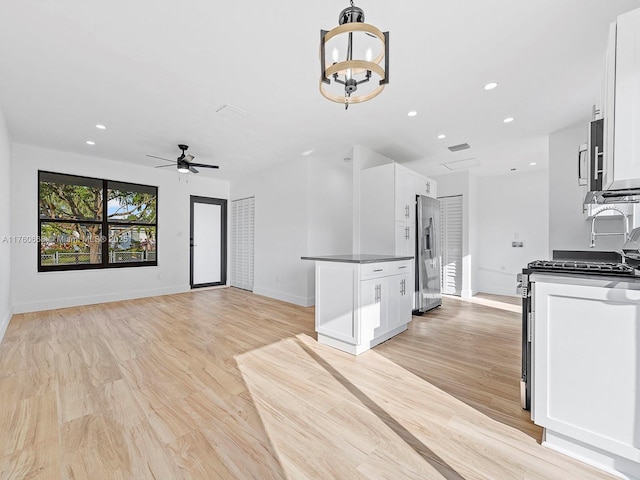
x: 197, y: 459
x: 231, y: 385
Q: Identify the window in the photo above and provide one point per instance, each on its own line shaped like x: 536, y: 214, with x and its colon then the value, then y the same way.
x: 77, y: 232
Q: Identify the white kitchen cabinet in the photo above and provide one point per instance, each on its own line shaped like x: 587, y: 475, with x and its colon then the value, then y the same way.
x: 386, y: 303
x: 405, y: 239
x: 622, y: 104
x: 404, y: 195
x: 388, y: 205
x: 424, y: 186
x: 400, y: 304
x: 359, y: 305
x: 586, y: 346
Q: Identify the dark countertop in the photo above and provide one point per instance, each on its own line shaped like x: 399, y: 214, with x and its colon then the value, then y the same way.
x: 358, y: 258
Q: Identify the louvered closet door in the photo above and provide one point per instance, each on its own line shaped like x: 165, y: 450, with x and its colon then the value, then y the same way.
x: 451, y: 244
x: 242, y: 231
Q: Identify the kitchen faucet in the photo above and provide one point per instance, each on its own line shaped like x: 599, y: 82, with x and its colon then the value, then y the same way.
x: 593, y: 225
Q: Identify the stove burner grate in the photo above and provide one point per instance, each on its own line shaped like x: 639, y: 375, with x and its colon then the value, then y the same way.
x: 597, y: 268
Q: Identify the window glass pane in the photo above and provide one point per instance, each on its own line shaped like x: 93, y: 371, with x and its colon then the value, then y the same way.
x: 131, y: 203
x: 133, y: 243
x: 70, y: 244
x: 69, y: 197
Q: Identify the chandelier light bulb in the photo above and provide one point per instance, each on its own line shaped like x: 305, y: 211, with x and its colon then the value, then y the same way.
x: 335, y: 55
x: 369, y: 54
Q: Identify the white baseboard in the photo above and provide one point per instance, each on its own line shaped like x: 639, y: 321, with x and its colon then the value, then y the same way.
x: 285, y: 297
x: 4, y: 322
x: 500, y: 291
x: 91, y: 300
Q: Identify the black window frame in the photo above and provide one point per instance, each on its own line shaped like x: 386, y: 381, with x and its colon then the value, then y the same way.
x: 105, y: 224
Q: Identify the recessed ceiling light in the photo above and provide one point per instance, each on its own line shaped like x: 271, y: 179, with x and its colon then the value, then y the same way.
x: 307, y: 153
x: 441, y: 136
x: 490, y: 86
x: 533, y: 163
x: 101, y: 127
x: 508, y: 120
x: 90, y: 142
x: 412, y: 113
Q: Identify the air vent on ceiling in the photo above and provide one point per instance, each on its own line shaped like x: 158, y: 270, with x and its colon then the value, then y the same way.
x: 462, y: 164
x: 226, y: 108
x: 457, y: 148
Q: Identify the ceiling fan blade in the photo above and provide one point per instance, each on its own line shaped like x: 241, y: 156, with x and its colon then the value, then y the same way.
x: 163, y: 166
x: 193, y: 169
x: 204, y: 165
x: 189, y: 158
x: 160, y: 158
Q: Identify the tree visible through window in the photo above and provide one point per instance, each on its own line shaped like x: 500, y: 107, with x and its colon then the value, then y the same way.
x: 76, y: 232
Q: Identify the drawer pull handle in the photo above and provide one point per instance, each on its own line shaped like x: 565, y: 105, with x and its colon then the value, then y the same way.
x: 404, y: 266
x: 378, y: 270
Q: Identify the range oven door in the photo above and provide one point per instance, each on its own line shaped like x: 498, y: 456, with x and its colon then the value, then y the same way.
x: 524, y: 290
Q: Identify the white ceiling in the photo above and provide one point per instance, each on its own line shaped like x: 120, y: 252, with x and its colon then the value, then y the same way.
x: 155, y: 72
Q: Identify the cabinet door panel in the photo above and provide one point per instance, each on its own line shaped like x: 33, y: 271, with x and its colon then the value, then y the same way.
x: 626, y: 167
x: 585, y: 340
x: 371, y: 308
x: 335, y: 302
x: 400, y: 306
x: 405, y: 196
x: 405, y: 239
x: 425, y: 186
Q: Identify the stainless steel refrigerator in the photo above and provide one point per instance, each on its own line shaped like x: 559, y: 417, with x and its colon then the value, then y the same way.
x: 428, y: 293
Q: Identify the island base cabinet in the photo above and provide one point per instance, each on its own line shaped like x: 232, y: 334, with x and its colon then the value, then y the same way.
x: 586, y: 372
x: 361, y: 306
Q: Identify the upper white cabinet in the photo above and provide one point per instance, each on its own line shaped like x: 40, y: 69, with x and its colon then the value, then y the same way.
x: 622, y: 104
x: 404, y: 194
x: 424, y: 186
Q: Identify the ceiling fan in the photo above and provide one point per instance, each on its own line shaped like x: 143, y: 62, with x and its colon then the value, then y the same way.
x: 184, y: 162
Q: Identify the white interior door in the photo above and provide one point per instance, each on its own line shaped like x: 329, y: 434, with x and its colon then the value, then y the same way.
x: 208, y: 241
x: 451, y: 244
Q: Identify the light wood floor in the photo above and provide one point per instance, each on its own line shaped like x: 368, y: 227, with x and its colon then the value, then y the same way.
x: 224, y: 384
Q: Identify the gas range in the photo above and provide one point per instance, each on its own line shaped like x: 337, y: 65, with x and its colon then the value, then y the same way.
x: 583, y: 267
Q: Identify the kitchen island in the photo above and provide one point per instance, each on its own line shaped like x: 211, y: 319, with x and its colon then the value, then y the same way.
x: 362, y: 300
x: 585, y: 338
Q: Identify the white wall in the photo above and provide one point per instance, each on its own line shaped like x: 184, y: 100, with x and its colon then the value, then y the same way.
x: 5, y: 227
x: 569, y: 229
x: 473, y: 261
x: 330, y: 207
x: 330, y: 185
x: 512, y: 207
x: 281, y: 226
x: 303, y: 207
x: 362, y: 158
x: 39, y: 291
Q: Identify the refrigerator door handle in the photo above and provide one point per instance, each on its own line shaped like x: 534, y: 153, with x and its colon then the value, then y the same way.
x: 427, y: 235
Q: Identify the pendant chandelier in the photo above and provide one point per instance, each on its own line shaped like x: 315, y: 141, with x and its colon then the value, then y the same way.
x: 351, y: 59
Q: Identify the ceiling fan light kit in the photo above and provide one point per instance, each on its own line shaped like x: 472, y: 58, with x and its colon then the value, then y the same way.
x: 351, y: 55
x: 184, y: 162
